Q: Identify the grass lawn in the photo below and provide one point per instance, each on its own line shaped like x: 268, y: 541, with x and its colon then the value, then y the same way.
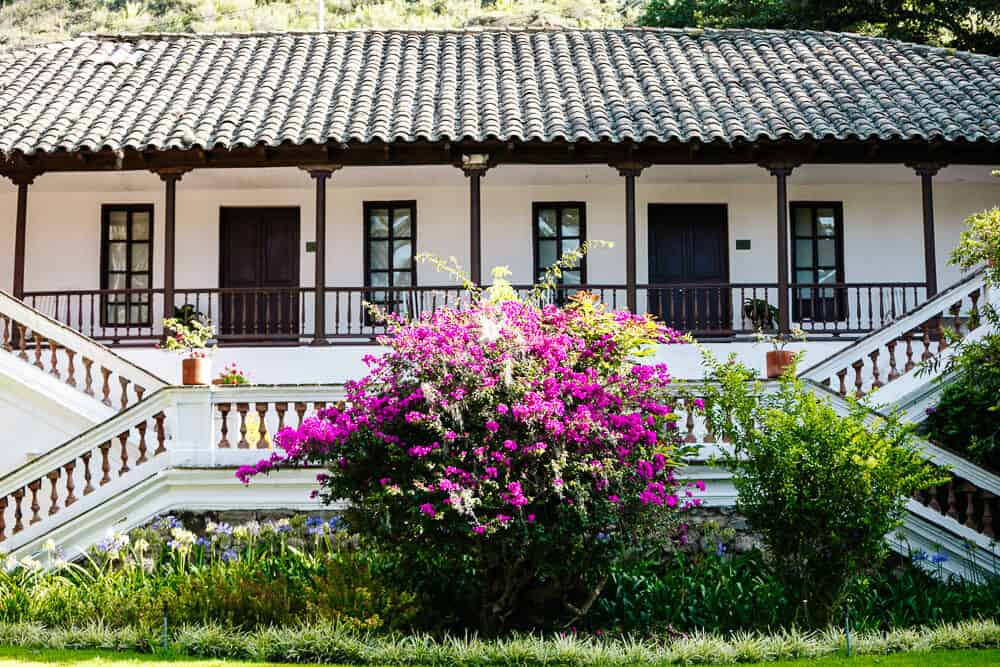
x: 15, y: 657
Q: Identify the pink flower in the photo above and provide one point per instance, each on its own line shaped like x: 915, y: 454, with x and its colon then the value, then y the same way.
x: 428, y: 509
x: 531, y: 518
x: 492, y: 426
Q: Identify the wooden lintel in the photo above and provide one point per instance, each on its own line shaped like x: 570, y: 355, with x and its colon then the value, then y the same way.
x: 525, y: 152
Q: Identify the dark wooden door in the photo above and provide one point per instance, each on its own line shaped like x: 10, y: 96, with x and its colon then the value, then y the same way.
x: 689, y: 267
x: 259, y: 272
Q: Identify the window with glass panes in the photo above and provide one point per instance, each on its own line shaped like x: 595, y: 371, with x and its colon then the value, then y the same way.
x: 817, y: 259
x: 390, y: 246
x: 126, y: 263
x: 559, y: 227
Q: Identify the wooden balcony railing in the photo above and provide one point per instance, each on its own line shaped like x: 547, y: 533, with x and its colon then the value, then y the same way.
x: 286, y: 314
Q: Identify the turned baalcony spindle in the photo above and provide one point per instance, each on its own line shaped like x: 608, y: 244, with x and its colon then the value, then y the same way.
x: 70, y: 484
x: 842, y: 377
x: 926, y: 354
x: 934, y: 504
x: 54, y: 359
x: 956, y: 318
x: 139, y: 393
x: 970, y: 505
x: 974, y: 309
x: 124, y: 399
x: 70, y: 368
x: 123, y: 439
x: 300, y: 410
x: 106, y: 386
x: 54, y: 493
x: 88, y: 486
x: 22, y: 350
x: 242, y: 409
x: 88, y: 376
x: 262, y: 426
x: 5, y: 335
x: 3, y: 519
x: 105, y: 463
x: 38, y: 350
x: 281, y: 409
x: 18, y: 512
x: 859, y: 382
x: 908, y: 337
x: 141, y: 428
x: 986, y: 527
x: 876, y: 382
x: 224, y: 409
x: 689, y: 423
x: 35, y: 487
x: 893, y: 371
x: 161, y: 437
x: 952, y: 501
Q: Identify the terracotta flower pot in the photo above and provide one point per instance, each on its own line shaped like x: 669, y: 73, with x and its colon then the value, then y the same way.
x: 196, y: 370
x: 778, y: 362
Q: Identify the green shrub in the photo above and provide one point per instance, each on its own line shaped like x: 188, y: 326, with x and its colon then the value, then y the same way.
x: 823, y: 490
x: 979, y: 244
x: 967, y: 415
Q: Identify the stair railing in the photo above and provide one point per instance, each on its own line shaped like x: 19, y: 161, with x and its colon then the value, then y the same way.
x: 71, y: 357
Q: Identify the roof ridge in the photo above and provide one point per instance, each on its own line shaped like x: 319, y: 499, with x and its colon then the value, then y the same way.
x: 473, y: 30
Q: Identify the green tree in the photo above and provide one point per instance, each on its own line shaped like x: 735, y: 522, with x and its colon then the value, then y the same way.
x: 822, y: 489
x: 968, y: 25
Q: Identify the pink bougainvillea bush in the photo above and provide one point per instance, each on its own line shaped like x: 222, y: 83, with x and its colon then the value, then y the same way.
x: 508, y: 453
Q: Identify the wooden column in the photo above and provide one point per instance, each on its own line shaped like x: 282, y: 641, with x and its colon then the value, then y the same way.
x: 630, y: 172
x: 781, y: 173
x: 22, y: 181
x: 926, y: 173
x: 321, y: 174
x: 170, y: 177
x: 474, y: 166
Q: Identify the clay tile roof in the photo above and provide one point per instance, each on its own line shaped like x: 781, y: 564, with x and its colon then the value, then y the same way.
x: 218, y: 91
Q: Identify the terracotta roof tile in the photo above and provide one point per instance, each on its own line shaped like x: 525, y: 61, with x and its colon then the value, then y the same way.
x: 217, y: 91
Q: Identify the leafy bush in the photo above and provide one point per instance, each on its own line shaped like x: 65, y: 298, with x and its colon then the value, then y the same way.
x: 732, y: 594
x: 247, y: 576
x: 979, y: 244
x: 967, y: 415
x: 509, y: 451
x: 823, y: 490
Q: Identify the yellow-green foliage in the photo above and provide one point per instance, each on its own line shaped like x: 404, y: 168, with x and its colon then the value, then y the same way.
x: 32, y: 21
x: 980, y: 244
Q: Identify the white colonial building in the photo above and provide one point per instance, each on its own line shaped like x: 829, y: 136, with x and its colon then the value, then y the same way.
x: 274, y: 183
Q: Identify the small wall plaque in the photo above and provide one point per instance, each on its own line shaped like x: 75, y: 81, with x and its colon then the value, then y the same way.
x: 310, y: 246
x: 742, y: 244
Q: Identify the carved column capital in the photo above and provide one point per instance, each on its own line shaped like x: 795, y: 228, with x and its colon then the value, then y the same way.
x: 475, y: 163
x: 22, y: 177
x: 926, y: 168
x: 780, y: 168
x: 318, y: 170
x: 630, y: 168
x: 171, y: 173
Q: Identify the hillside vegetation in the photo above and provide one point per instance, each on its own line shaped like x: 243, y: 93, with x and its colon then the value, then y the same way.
x: 32, y: 21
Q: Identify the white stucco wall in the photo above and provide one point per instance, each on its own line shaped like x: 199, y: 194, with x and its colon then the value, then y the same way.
x: 882, y: 228
x: 882, y: 216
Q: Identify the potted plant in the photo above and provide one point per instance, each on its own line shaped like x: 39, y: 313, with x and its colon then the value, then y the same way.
x: 778, y: 358
x: 232, y: 376
x: 760, y: 313
x: 191, y: 339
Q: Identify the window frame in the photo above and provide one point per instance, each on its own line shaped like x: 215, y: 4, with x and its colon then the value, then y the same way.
x: 389, y: 239
x: 130, y: 210
x: 839, y: 295
x: 559, y: 206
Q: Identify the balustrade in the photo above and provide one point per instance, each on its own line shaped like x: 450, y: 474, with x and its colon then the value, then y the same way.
x: 66, y: 469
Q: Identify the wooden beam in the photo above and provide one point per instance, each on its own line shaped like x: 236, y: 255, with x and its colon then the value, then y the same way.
x: 22, y: 181
x: 630, y: 171
x: 927, y: 171
x: 474, y: 166
x: 170, y: 178
x: 781, y: 172
x: 320, y: 174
